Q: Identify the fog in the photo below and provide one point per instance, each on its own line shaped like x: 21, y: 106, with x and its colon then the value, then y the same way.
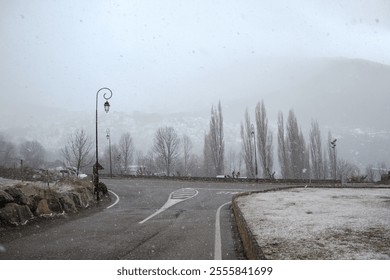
x: 184, y: 56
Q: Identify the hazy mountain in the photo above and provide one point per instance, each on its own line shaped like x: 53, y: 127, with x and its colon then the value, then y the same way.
x: 350, y: 98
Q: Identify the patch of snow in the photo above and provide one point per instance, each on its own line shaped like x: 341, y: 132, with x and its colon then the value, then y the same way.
x: 8, y: 182
x: 64, y: 188
x: 310, y: 223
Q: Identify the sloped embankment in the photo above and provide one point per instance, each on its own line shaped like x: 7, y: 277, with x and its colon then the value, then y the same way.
x: 22, y: 202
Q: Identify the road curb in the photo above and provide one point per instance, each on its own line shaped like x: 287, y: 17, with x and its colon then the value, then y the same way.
x: 252, y: 249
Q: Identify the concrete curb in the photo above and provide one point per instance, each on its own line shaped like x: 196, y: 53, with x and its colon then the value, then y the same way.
x: 252, y: 249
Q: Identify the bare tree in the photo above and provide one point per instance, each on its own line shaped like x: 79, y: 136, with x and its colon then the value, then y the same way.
x: 217, y: 143
x: 247, y: 146
x: 7, y: 153
x: 166, y: 147
x: 188, y: 163
x: 264, y: 141
x: 282, y: 148
x: 208, y: 167
x: 146, y: 163
x: 296, y: 147
x: 126, y: 151
x: 382, y: 169
x: 346, y: 170
x: 332, y: 155
x: 32, y: 153
x: 370, y: 172
x: 77, y: 150
x: 316, y: 151
x: 116, y: 159
x: 325, y: 165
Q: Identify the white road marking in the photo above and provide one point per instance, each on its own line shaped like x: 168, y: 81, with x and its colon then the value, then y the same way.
x: 227, y: 192
x: 116, y: 201
x: 174, y: 198
x: 218, y: 243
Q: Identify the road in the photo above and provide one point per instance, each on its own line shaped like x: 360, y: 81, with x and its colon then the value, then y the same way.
x: 144, y: 219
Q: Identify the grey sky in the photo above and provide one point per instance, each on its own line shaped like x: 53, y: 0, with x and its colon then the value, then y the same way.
x: 153, y: 54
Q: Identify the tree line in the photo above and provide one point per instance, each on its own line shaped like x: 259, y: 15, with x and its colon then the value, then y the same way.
x: 172, y: 154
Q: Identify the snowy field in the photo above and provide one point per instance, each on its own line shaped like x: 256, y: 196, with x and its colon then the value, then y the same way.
x: 320, y: 224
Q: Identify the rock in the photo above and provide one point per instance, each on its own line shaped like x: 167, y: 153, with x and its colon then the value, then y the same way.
x: 55, y: 205
x: 15, y: 214
x: 43, y: 208
x: 67, y: 203
x: 18, y: 195
x: 87, y: 198
x: 77, y: 199
x: 5, y: 198
x: 33, y: 202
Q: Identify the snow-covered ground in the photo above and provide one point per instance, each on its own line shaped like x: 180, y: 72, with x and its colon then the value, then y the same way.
x: 7, y: 182
x: 314, y: 223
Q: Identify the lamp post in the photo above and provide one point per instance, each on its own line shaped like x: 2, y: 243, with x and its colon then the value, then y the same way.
x: 107, y: 95
x: 254, y: 143
x: 333, y: 145
x: 109, y: 149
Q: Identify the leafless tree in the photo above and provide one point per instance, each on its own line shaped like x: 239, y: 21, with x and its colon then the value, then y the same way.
x: 370, y: 172
x: 247, y: 146
x: 166, y: 146
x: 382, y: 169
x: 234, y: 161
x: 126, y: 151
x: 115, y: 159
x: 7, y: 153
x: 283, y: 155
x: 346, y: 170
x: 317, y: 163
x: 77, y: 150
x: 197, y: 170
x: 296, y: 147
x: 188, y: 163
x: 332, y: 156
x: 32, y: 153
x: 208, y: 167
x: 325, y: 165
x: 264, y: 141
x: 146, y: 163
x: 216, y: 135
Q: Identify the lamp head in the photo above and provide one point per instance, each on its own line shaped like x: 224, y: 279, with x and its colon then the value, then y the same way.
x: 106, y: 106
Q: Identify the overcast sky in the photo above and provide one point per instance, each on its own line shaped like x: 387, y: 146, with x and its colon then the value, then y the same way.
x: 150, y: 52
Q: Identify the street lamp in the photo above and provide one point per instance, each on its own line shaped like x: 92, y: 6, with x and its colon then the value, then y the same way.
x: 254, y: 143
x: 109, y: 149
x: 333, y: 145
x: 107, y: 95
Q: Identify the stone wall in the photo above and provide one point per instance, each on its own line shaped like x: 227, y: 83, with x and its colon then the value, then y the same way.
x: 25, y: 201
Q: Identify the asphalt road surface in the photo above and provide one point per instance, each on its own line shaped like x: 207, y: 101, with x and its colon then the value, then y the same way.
x: 142, y: 220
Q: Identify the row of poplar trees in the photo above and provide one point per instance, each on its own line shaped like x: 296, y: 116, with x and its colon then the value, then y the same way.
x: 297, y: 159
